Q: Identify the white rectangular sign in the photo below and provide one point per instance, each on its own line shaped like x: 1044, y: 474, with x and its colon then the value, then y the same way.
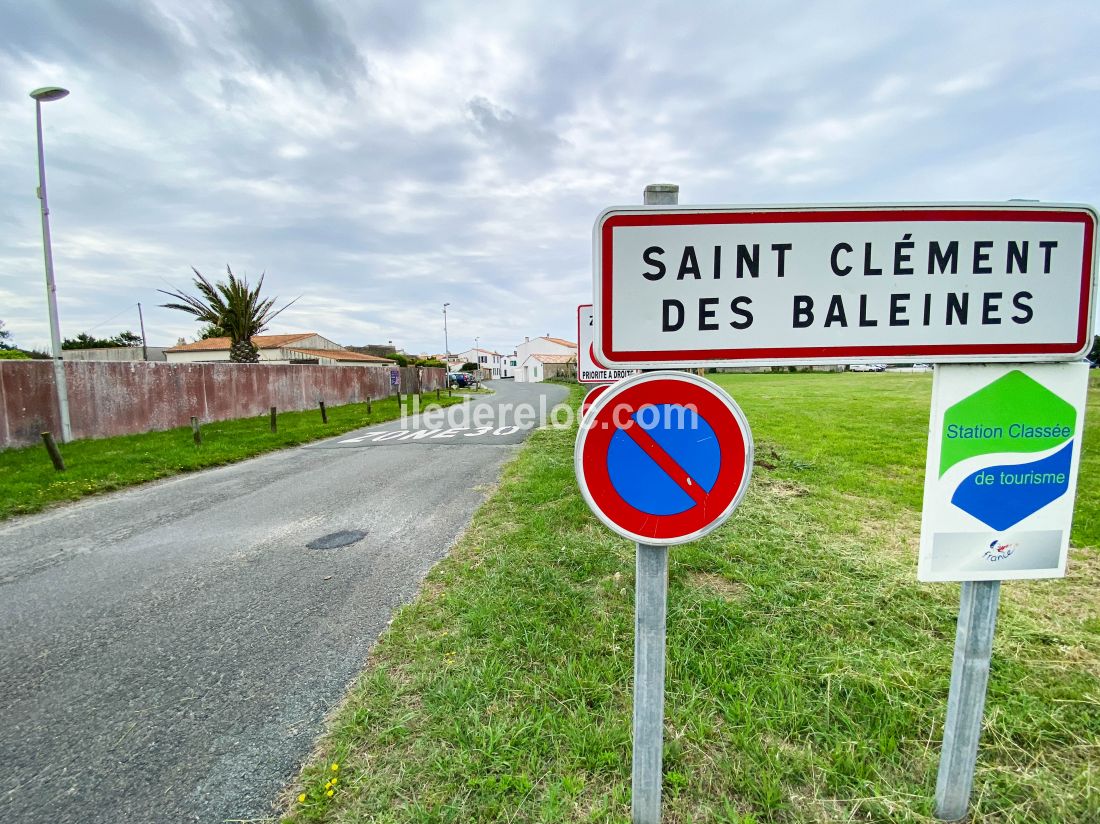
x: 1004, y: 443
x: 588, y: 369
x: 836, y: 284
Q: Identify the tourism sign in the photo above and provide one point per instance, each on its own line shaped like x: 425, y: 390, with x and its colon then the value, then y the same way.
x: 664, y: 457
x: 745, y: 286
x: 1004, y: 444
x: 589, y: 367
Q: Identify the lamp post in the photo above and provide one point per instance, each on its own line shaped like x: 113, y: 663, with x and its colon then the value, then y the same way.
x: 46, y: 94
x: 446, y: 345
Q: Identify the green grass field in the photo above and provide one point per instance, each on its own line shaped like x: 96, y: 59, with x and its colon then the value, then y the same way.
x: 29, y: 483
x: 807, y: 669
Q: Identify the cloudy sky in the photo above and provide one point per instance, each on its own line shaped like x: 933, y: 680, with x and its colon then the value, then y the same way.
x: 380, y: 158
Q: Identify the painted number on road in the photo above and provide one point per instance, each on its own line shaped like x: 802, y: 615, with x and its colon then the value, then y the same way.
x: 432, y: 434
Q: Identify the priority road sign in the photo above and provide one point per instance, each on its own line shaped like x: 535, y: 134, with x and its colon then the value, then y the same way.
x: 763, y: 286
x: 589, y: 367
x: 664, y: 457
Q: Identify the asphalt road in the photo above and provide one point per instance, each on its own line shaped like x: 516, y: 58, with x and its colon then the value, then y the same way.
x: 169, y: 653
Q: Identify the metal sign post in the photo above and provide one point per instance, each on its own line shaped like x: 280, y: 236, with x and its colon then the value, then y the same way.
x: 662, y: 458
x: 650, y: 608
x: 1004, y: 446
x: 966, y: 699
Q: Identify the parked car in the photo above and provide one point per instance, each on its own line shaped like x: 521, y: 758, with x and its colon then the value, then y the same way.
x: 460, y: 379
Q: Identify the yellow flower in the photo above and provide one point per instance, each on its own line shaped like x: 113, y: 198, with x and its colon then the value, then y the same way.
x: 328, y: 784
x: 301, y: 798
x: 335, y: 767
x: 329, y: 793
x: 335, y: 781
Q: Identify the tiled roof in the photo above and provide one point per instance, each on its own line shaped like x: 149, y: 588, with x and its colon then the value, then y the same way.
x: 260, y: 342
x: 554, y: 358
x: 340, y: 355
x: 562, y: 342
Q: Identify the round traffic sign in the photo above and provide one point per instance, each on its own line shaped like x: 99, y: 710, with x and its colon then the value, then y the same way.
x: 590, y: 398
x: 663, y: 457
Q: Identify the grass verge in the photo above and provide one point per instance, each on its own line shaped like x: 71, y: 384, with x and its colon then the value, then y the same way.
x: 807, y: 669
x: 29, y: 483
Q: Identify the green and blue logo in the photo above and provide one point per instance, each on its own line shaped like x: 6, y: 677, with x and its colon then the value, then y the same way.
x: 1004, y: 423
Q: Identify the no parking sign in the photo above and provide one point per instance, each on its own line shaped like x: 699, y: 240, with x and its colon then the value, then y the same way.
x: 664, y: 457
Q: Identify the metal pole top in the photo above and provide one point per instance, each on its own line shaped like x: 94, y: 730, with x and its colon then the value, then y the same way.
x: 661, y: 194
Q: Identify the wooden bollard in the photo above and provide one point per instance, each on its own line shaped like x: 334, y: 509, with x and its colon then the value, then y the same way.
x: 437, y: 394
x: 274, y: 423
x: 195, y: 433
x: 324, y: 414
x: 368, y: 406
x: 55, y: 454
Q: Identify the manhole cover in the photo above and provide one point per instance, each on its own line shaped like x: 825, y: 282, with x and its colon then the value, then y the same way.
x: 335, y: 540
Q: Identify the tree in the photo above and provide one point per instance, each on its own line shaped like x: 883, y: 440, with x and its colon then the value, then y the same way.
x: 469, y: 367
x: 232, y: 306
x: 211, y: 331
x: 86, y: 341
x: 5, y: 336
x: 13, y: 354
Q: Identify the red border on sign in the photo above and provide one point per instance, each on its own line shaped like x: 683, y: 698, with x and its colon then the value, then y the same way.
x: 590, y: 398
x: 732, y: 473
x: 843, y: 216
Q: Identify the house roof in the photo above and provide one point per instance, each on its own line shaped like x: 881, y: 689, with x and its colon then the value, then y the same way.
x: 340, y: 355
x: 260, y: 342
x: 561, y: 341
x: 553, y: 358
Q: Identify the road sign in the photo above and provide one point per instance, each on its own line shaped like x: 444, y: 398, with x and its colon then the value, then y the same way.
x: 664, y: 457
x: 842, y: 284
x: 1004, y: 444
x: 591, y: 397
x: 589, y: 367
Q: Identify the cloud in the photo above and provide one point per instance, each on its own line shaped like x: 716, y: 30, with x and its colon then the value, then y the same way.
x: 504, y: 128
x: 382, y: 158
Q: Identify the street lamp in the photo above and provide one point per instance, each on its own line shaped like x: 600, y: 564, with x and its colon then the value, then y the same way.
x: 446, y: 345
x: 46, y: 94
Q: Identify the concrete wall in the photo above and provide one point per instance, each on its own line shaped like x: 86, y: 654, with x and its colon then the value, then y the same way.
x: 108, y: 399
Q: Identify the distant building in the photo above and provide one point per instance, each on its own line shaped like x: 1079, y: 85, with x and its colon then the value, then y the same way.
x: 305, y: 348
x: 545, y: 357
x: 117, y: 354
x: 379, y: 350
x: 485, y: 359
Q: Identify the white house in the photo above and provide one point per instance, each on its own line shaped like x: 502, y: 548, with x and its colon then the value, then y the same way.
x: 485, y: 359
x: 508, y: 365
x: 539, y: 367
x: 534, y: 356
x: 304, y: 348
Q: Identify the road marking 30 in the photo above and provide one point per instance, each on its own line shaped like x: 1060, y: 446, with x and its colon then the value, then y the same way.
x: 432, y: 434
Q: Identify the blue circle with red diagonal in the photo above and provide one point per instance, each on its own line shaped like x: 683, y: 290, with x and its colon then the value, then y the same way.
x: 664, y: 457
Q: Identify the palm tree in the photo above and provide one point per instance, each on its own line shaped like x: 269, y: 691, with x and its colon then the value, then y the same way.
x: 232, y: 306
